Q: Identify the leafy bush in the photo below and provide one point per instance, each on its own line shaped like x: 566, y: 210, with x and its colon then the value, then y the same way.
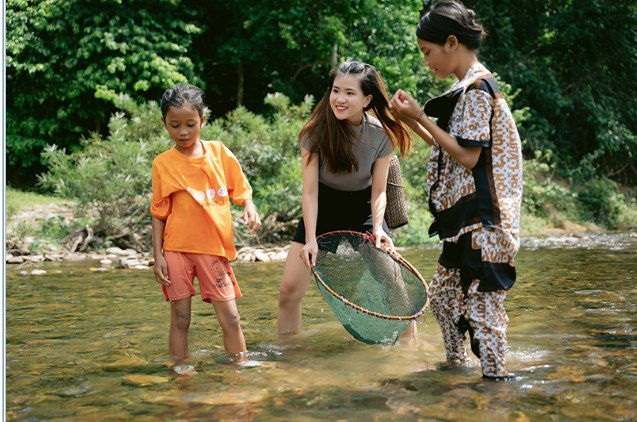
x: 55, y: 228
x: 268, y: 150
x: 543, y: 194
x: 601, y: 201
x: 112, y: 176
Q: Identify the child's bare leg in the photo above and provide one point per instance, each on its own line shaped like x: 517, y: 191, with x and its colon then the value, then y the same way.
x: 179, y: 325
x: 230, y: 322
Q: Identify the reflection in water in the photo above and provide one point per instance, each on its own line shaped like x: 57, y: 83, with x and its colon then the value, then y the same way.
x: 93, y: 346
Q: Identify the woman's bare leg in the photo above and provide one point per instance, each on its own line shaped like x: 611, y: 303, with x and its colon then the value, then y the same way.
x: 296, y: 278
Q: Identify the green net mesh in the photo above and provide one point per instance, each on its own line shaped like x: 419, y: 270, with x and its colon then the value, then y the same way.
x: 373, y: 293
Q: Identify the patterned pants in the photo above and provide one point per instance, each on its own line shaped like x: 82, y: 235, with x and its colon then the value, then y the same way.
x: 482, y: 313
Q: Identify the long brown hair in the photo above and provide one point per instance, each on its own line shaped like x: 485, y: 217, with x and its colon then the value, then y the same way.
x: 333, y: 136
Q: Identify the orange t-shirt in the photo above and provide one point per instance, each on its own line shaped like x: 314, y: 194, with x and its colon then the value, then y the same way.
x: 193, y: 196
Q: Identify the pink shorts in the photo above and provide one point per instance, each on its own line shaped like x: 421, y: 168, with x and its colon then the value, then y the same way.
x: 214, y: 274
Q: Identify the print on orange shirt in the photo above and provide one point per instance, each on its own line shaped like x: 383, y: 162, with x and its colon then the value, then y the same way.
x: 207, y: 198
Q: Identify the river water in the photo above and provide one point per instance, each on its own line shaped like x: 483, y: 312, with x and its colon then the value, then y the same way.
x: 87, y: 346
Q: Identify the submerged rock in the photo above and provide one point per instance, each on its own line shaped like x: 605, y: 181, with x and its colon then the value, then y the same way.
x: 125, y: 363
x: 144, y: 380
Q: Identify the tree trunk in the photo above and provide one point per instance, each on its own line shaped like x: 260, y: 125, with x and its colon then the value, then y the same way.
x: 334, y: 55
x: 240, y: 83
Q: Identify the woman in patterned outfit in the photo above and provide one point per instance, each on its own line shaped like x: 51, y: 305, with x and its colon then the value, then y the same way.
x: 475, y: 187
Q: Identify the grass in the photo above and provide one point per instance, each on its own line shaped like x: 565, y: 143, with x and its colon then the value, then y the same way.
x: 16, y: 200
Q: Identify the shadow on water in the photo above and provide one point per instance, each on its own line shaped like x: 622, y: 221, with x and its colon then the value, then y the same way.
x: 93, y: 346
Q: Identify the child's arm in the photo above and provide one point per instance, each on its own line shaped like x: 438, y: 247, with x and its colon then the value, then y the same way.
x: 251, y: 216
x: 160, y: 267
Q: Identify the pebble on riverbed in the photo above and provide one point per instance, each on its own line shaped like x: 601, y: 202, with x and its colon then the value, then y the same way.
x: 144, y: 380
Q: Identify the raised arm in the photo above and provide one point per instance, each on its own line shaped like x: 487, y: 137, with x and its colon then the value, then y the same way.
x: 408, y: 110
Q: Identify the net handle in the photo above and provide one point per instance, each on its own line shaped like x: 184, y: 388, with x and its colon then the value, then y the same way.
x: 396, y: 257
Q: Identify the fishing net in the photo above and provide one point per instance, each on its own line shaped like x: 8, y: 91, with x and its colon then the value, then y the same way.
x: 374, y: 293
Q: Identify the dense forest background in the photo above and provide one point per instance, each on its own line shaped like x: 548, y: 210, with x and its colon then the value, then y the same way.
x: 78, y: 71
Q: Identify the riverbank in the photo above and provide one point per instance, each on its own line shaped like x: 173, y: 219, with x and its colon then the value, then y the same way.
x: 26, y: 252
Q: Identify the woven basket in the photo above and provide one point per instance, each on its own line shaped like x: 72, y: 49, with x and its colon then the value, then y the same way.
x: 396, y: 210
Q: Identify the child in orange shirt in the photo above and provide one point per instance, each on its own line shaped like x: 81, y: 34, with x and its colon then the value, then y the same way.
x: 193, y: 184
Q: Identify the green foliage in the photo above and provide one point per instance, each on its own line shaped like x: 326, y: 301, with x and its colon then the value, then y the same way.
x: 112, y: 175
x: 67, y: 62
x: 602, y: 201
x: 60, y: 52
x: 55, y: 228
x: 268, y: 151
x: 578, y: 84
x: 417, y: 231
x: 543, y: 194
x: 18, y: 200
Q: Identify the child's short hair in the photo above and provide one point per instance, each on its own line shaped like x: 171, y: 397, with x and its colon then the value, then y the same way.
x: 181, y: 94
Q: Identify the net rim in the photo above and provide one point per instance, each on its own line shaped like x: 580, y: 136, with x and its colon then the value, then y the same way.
x: 395, y: 256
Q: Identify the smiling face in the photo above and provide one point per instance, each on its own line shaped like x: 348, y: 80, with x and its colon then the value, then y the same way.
x: 347, y: 99
x: 438, y: 58
x: 183, y: 125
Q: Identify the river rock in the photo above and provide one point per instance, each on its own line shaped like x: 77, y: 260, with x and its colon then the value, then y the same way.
x: 246, y: 257
x: 53, y: 257
x: 125, y: 363
x: 261, y: 256
x: 114, y: 250
x: 125, y: 263
x: 231, y: 398
x: 280, y: 255
x: 74, y: 256
x: 14, y: 259
x: 144, y: 380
